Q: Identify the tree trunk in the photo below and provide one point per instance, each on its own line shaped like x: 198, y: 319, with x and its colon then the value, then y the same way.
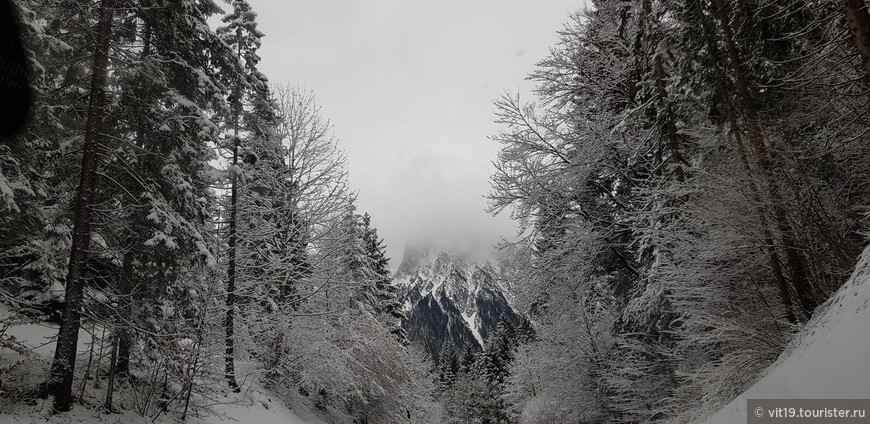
x: 113, y: 361
x: 125, y: 336
x: 233, y: 237
x: 858, y: 19
x: 670, y: 126
x: 797, y: 267
x: 124, y: 342
x: 88, y: 367
x: 231, y: 276
x: 767, y: 236
x: 63, y: 366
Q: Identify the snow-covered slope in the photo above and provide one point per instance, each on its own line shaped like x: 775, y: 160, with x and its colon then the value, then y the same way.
x: 450, y: 295
x: 831, y: 360
x: 254, y: 404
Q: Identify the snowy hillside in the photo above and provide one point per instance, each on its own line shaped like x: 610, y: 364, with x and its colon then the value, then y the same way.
x: 829, y: 360
x: 451, y: 295
x: 251, y: 405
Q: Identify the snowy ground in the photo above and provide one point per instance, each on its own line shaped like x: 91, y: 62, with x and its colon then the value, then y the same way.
x: 830, y: 361
x: 256, y: 407
x: 253, y: 405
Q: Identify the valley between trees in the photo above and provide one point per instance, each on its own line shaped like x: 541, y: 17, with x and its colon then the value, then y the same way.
x: 179, y: 236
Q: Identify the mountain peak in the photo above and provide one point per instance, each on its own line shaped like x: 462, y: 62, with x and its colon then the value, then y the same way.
x: 429, y: 251
x: 450, y: 294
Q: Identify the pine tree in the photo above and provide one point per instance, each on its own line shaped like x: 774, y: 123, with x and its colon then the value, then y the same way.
x: 154, y: 200
x: 242, y: 35
x: 63, y: 366
x: 448, y: 365
x: 34, y: 228
x: 162, y: 170
x: 384, y: 298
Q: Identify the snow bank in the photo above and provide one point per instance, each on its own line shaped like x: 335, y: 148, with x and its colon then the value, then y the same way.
x: 253, y: 406
x: 831, y: 359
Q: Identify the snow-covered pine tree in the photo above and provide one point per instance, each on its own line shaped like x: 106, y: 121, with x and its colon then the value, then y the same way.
x: 448, y: 365
x: 157, y: 184
x: 383, y: 297
x: 159, y: 173
x: 241, y: 34
x: 63, y: 366
x: 34, y: 227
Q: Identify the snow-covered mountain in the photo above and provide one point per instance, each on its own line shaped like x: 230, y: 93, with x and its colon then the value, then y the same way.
x: 450, y: 294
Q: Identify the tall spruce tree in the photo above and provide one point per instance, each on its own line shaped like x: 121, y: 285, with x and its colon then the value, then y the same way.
x: 63, y: 365
x: 241, y: 34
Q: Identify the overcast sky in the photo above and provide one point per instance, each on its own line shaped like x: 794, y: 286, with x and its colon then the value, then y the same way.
x: 408, y: 86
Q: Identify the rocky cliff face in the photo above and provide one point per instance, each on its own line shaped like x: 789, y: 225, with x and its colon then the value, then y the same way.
x: 449, y: 295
